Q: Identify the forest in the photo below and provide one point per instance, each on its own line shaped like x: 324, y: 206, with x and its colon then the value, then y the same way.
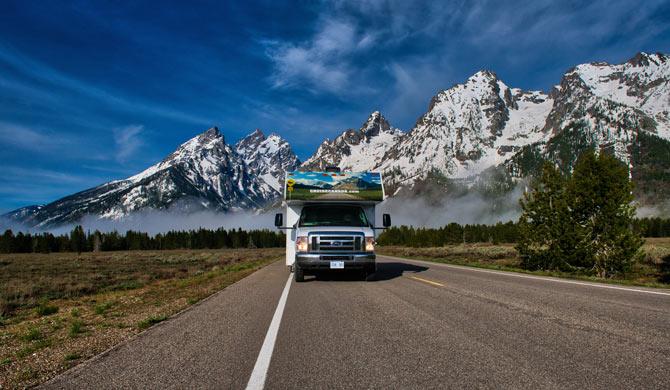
x: 82, y: 241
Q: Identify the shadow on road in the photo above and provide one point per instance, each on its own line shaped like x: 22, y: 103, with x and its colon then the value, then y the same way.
x: 385, y: 271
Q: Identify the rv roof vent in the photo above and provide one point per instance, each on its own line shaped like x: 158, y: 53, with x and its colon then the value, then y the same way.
x: 333, y: 169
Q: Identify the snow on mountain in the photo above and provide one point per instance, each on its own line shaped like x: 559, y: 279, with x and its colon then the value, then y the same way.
x: 641, y: 82
x: 267, y: 157
x: 468, y: 128
x: 356, y: 150
x: 203, y: 172
x: 603, y: 106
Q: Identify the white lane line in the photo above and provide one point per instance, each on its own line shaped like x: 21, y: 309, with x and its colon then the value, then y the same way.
x: 257, y: 379
x: 514, y: 274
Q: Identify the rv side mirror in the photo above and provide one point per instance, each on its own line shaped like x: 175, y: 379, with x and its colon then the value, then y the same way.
x: 386, y: 219
x: 279, y: 219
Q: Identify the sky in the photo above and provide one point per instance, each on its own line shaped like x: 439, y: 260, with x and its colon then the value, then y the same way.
x: 98, y: 91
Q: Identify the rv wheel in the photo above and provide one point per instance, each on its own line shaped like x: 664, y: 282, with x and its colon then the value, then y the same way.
x: 298, y: 274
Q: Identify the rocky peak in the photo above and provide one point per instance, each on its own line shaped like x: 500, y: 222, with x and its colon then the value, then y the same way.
x: 644, y: 59
x: 252, y: 140
x: 212, y: 133
x: 375, y: 124
x: 269, y: 157
x: 483, y: 75
x: 360, y: 149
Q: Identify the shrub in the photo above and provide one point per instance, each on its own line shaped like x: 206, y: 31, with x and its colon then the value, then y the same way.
x: 45, y: 309
x: 665, y: 269
x: 72, y: 356
x: 33, y: 334
x: 76, y: 328
x: 146, y: 323
x: 102, y: 308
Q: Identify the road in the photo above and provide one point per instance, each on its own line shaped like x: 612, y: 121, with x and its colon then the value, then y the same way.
x: 417, y: 325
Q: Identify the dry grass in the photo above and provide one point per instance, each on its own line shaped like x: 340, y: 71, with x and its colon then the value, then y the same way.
x: 656, y: 249
x: 482, y: 253
x: 505, y: 257
x: 61, y: 309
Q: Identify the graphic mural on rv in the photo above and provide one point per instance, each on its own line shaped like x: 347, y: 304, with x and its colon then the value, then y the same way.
x: 366, y: 186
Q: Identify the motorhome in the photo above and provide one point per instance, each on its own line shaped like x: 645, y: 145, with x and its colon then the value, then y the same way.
x: 330, y: 221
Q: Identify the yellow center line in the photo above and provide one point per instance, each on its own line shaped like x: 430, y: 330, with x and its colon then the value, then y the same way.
x: 427, y: 281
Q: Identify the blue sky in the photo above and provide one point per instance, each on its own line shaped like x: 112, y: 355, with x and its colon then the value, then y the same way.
x: 96, y: 91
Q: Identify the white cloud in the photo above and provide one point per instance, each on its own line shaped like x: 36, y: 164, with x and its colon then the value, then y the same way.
x: 322, y: 63
x: 127, y: 141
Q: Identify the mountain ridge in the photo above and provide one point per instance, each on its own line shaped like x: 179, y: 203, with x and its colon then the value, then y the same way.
x: 467, y: 130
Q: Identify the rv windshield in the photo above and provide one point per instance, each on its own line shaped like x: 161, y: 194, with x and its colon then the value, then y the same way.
x: 333, y: 216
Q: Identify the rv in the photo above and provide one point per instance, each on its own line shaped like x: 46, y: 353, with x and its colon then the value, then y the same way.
x: 330, y: 221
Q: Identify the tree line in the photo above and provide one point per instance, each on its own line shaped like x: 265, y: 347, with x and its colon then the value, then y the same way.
x: 507, y: 232
x: 452, y: 233
x: 80, y: 241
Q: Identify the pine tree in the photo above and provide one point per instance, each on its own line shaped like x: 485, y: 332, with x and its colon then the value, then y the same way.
x: 583, y: 222
x: 544, y: 226
x: 78, y: 239
x: 7, y: 242
x: 600, y: 195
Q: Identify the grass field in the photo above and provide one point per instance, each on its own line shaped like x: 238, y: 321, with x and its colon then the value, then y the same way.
x: 505, y: 257
x: 60, y: 309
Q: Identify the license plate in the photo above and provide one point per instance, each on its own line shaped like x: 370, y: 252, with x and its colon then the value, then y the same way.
x: 337, y: 265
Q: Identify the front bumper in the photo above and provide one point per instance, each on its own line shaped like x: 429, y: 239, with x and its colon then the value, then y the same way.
x: 321, y: 261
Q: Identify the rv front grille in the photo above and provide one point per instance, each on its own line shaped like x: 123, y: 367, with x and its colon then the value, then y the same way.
x: 336, y: 243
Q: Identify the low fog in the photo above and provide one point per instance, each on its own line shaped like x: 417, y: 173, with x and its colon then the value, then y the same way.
x: 422, y: 211
x: 161, y: 221
x: 472, y: 208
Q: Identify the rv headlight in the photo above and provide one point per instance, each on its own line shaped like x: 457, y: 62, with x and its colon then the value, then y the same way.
x: 370, y: 244
x: 301, y: 244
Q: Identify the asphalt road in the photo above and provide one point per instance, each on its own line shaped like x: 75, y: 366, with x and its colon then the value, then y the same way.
x: 418, y: 325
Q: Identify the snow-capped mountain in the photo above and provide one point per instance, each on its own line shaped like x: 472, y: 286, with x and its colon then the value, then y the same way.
x: 468, y: 128
x: 617, y: 108
x: 267, y: 157
x: 358, y: 150
x: 204, y: 172
x: 483, y: 123
x: 474, y: 131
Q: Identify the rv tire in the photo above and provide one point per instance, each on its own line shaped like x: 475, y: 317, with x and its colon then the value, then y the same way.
x: 298, y: 273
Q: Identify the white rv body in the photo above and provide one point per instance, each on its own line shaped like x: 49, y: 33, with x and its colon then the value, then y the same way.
x: 293, y: 211
x: 337, y: 228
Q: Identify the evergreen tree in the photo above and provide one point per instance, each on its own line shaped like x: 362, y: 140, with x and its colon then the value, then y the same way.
x: 600, y: 194
x: 583, y: 222
x: 546, y: 234
x: 7, y: 242
x: 78, y: 239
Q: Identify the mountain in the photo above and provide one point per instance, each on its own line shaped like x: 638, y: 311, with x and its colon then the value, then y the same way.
x: 358, y: 150
x: 267, y: 157
x: 483, y: 125
x: 481, y: 134
x: 468, y: 128
x: 204, y: 172
x: 622, y: 109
